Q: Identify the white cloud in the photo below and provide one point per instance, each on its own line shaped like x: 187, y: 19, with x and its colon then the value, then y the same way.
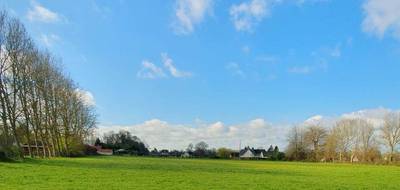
x: 314, y: 119
x: 375, y: 116
x: 302, y: 2
x: 49, y: 39
x: 246, y: 15
x: 41, y: 14
x: 168, y: 63
x: 257, y: 132
x: 382, y: 16
x: 320, y: 59
x: 327, y: 52
x: 86, y: 96
x: 102, y: 10
x: 235, y: 69
x: 190, y: 13
x: 267, y: 59
x: 336, y: 51
x: 246, y: 49
x: 301, y: 70
x: 150, y: 71
x: 161, y: 134
x: 249, y: 13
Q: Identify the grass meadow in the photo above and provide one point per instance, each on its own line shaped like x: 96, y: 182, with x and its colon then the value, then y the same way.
x: 168, y: 173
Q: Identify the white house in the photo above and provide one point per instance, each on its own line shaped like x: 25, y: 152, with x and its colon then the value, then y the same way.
x: 251, y: 153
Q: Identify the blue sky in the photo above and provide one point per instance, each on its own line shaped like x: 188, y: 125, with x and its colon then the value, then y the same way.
x: 228, y: 62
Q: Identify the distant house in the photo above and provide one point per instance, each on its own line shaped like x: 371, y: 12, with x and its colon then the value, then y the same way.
x: 186, y: 154
x: 354, y: 158
x: 104, y: 151
x: 154, y: 152
x: 121, y: 151
x: 251, y: 153
x: 164, y: 153
x: 175, y: 153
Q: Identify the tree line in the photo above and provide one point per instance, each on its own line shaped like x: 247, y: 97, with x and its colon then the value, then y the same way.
x: 124, y: 143
x: 348, y: 140
x: 41, y: 107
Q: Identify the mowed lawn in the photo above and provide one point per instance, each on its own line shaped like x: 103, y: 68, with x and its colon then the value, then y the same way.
x: 166, y: 173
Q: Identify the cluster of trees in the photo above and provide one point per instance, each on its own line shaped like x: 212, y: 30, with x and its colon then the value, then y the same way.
x: 123, y: 142
x: 40, y: 106
x: 166, y: 153
x: 201, y: 150
x: 348, y: 140
x: 276, y: 154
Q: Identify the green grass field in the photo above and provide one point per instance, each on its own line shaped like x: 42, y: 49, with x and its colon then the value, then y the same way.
x: 165, y: 173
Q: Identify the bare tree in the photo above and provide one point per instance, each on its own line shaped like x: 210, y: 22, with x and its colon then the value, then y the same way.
x: 296, y: 150
x: 331, y: 146
x: 391, y: 132
x: 366, y: 139
x: 345, y: 134
x: 39, y: 104
x: 315, y: 135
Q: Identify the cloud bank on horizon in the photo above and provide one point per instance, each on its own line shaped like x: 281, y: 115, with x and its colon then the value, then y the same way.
x: 256, y: 133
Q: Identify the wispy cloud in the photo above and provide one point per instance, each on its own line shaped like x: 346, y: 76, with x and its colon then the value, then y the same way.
x: 103, y: 10
x: 49, y: 40
x: 150, y: 71
x: 267, y: 59
x: 302, y: 2
x: 189, y: 13
x: 250, y: 13
x: 246, y: 15
x: 382, y: 16
x: 234, y: 69
x: 169, y: 64
x: 38, y: 13
x: 336, y: 51
x: 319, y: 60
x: 300, y: 69
x: 246, y: 49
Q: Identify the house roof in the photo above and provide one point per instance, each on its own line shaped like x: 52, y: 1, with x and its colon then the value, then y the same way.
x: 255, y: 152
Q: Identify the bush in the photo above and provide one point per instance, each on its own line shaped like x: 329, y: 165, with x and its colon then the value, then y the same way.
x: 2, y: 156
x: 76, y: 150
x: 76, y: 147
x: 224, y: 153
x: 90, y: 150
x: 9, y: 153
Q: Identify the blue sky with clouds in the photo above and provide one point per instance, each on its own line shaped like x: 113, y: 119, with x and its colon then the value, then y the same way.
x: 221, y: 64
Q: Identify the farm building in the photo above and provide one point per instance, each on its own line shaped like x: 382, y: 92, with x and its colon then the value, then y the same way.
x: 35, y: 150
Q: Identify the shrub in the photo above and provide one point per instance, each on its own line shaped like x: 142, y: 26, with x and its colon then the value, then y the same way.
x: 2, y: 156
x: 9, y: 153
x: 90, y: 150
